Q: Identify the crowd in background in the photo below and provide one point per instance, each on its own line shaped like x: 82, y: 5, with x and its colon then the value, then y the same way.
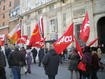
x: 18, y: 58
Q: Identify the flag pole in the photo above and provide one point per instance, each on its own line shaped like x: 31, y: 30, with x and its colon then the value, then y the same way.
x: 20, y: 24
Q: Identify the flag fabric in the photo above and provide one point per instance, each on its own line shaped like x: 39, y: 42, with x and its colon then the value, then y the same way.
x: 40, y: 43
x: 85, y: 29
x: 92, y: 42
x: 35, y: 37
x: 2, y: 39
x: 15, y: 34
x: 41, y: 25
x: 64, y: 41
x: 79, y: 49
x: 22, y: 40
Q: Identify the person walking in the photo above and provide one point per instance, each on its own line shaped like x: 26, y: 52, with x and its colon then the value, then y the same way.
x: 74, y: 60
x: 28, y: 59
x: 51, y: 63
x: 87, y: 59
x: 41, y: 55
x: 16, y: 62
x: 7, y: 51
x: 95, y: 63
x: 2, y: 65
x: 34, y: 53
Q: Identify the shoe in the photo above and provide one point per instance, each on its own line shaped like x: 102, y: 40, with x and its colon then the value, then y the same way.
x: 29, y: 72
x: 26, y: 72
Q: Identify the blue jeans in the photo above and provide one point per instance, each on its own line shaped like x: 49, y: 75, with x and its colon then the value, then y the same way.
x: 16, y: 72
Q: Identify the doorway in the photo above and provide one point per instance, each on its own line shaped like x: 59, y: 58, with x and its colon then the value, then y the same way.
x: 101, y: 31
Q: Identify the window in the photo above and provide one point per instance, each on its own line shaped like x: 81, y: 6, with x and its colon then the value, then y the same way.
x: 3, y: 24
x: 51, y: 7
x: 39, y: 12
x: 4, y: 0
x: 10, y: 4
x: 3, y: 15
x: 77, y: 32
x: 53, y: 28
x: 64, y: 22
x: 4, y: 7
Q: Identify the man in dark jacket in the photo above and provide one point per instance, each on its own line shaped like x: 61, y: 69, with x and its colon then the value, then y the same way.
x: 51, y: 63
x: 34, y: 53
x: 41, y: 55
x: 7, y: 51
x: 2, y: 65
x: 16, y: 60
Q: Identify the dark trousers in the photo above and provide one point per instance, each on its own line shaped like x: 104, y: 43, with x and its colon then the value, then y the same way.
x: 94, y: 74
x: 51, y: 76
x: 40, y: 61
x: 2, y: 73
x: 34, y: 58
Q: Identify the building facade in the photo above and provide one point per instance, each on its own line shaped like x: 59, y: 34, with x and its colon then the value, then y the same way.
x: 6, y: 12
x: 59, y: 14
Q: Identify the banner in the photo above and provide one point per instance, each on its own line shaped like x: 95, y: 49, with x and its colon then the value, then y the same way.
x: 22, y: 40
x: 85, y: 29
x: 2, y: 39
x: 35, y: 37
x: 15, y: 34
x: 79, y: 49
x: 64, y: 41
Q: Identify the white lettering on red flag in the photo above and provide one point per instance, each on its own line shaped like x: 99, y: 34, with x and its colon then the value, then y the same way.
x: 64, y: 41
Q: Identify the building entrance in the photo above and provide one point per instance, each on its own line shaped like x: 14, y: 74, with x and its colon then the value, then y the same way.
x: 101, y: 31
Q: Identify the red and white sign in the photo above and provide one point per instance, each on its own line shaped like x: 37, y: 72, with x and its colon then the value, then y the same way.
x: 64, y: 41
x: 85, y: 29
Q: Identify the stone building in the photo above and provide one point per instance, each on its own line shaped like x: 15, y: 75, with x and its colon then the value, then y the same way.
x: 59, y: 14
x: 6, y: 12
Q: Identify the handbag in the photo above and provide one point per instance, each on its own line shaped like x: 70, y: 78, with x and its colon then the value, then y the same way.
x: 81, y: 66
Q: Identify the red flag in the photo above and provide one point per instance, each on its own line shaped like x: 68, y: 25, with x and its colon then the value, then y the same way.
x: 23, y: 39
x: 85, y: 29
x: 65, y: 40
x: 35, y: 35
x: 15, y: 34
x: 39, y: 43
x: 78, y: 48
x: 2, y: 39
x: 92, y: 42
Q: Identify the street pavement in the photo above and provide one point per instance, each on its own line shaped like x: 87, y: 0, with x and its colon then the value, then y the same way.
x: 63, y: 72
x: 38, y: 73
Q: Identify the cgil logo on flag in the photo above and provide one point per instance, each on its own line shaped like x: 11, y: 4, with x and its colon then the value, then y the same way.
x: 65, y: 39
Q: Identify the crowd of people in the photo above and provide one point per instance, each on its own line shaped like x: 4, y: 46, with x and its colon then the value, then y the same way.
x: 91, y: 58
x: 18, y: 58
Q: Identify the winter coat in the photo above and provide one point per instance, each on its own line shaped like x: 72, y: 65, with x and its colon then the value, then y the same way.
x: 16, y: 59
x: 74, y: 60
x: 29, y: 57
x: 34, y: 52
x: 2, y: 59
x: 51, y: 62
x: 7, y: 52
x: 41, y: 54
x: 87, y: 59
x: 95, y: 62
